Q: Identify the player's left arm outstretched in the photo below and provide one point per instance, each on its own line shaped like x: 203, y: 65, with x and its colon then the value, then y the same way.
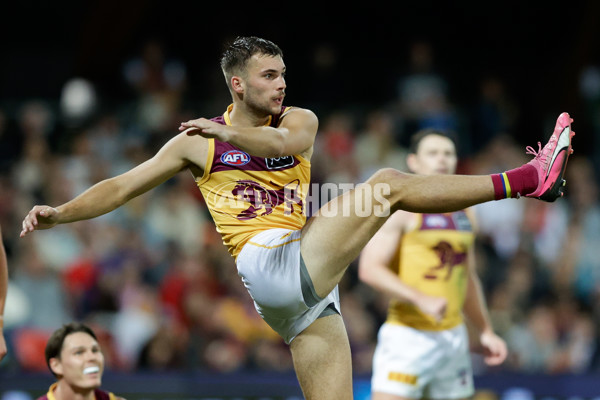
x: 484, y: 339
x: 179, y: 153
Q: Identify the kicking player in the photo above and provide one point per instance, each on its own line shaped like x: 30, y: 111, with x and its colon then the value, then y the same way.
x: 252, y: 165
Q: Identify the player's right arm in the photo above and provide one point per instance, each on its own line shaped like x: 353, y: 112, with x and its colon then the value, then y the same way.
x: 179, y: 153
x: 375, y: 268
x: 295, y: 134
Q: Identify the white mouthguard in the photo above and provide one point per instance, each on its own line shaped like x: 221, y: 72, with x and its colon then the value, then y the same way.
x: 91, y: 370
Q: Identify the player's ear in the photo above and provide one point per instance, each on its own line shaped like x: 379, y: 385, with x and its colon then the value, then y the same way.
x: 411, y: 162
x: 56, y: 366
x: 237, y: 84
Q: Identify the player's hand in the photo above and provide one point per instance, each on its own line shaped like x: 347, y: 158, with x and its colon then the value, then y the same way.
x: 40, y: 217
x: 492, y: 347
x: 434, y: 306
x: 206, y: 128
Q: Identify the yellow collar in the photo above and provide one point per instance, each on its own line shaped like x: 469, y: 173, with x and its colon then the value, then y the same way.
x: 50, y: 393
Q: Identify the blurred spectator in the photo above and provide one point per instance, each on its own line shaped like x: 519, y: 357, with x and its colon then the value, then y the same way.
x: 158, y: 82
x: 164, y: 351
x: 533, y: 342
x: 362, y: 329
x: 175, y: 216
x: 11, y: 143
x: 59, y: 248
x: 328, y: 82
x: 43, y: 288
x: 556, y: 337
x: 376, y: 145
x: 136, y: 321
x: 495, y: 113
x: 573, y: 236
x: 30, y: 172
x: 589, y: 90
x: 423, y: 93
x: 81, y: 168
x: 334, y: 149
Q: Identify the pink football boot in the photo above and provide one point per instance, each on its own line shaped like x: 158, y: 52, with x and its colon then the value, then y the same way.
x: 551, y: 161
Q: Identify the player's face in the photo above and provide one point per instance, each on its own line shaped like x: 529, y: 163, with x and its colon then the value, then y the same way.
x: 265, y: 84
x: 435, y: 155
x: 81, y: 362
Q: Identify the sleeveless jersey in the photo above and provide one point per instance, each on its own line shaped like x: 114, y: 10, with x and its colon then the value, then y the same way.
x: 247, y: 195
x: 98, y: 394
x: 433, y: 259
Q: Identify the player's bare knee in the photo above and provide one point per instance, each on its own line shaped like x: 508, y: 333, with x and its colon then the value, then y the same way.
x: 392, y: 180
x: 387, y: 175
x: 388, y: 187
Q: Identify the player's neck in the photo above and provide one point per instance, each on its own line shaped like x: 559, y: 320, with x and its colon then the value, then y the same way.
x: 65, y: 391
x: 241, y: 115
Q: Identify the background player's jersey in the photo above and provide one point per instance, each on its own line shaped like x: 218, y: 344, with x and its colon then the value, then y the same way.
x: 433, y: 259
x: 98, y: 394
x: 247, y: 195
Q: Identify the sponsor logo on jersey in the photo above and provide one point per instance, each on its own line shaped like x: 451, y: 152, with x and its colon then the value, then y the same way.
x: 279, y: 162
x: 408, y: 379
x: 235, y: 157
x: 435, y: 221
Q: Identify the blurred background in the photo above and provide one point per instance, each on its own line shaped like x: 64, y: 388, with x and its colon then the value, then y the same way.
x: 91, y: 89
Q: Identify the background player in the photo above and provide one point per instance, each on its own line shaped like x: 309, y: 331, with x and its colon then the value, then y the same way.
x: 252, y: 166
x: 75, y: 359
x: 425, y: 263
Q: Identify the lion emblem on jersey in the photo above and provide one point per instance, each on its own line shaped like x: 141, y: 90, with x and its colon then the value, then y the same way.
x: 449, y: 258
x: 263, y: 200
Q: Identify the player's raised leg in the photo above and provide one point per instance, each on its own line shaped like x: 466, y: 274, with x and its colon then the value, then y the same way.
x: 334, y: 237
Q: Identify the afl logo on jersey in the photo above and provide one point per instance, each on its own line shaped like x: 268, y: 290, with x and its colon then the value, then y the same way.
x: 235, y: 157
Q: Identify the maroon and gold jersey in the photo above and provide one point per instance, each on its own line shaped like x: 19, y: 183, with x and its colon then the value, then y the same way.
x: 433, y: 259
x: 98, y: 394
x: 247, y: 195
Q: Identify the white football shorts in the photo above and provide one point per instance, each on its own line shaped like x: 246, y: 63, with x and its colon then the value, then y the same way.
x: 415, y: 364
x: 271, y: 268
